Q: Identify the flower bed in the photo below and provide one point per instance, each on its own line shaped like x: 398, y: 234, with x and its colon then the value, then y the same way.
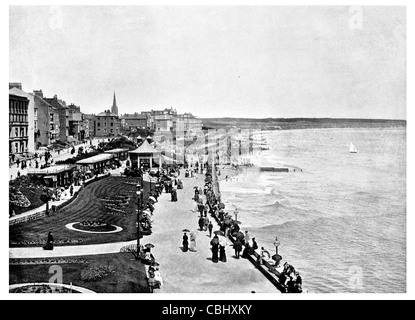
x: 42, y: 242
x: 42, y: 261
x: 96, y: 273
x: 94, y: 226
x: 42, y: 289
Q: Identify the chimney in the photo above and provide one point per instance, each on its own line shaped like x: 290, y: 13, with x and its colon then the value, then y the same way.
x: 38, y: 93
x: 17, y: 85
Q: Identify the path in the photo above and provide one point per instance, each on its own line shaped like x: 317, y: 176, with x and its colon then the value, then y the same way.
x: 194, y: 272
x: 67, y: 251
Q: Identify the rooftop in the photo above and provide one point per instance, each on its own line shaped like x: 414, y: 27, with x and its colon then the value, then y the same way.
x: 116, y: 150
x: 145, y: 148
x: 106, y: 113
x: 51, y: 170
x: 95, y: 159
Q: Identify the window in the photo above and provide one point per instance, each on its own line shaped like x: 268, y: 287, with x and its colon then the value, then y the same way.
x: 51, y: 117
x: 112, y: 124
x: 99, y: 124
x: 16, y: 132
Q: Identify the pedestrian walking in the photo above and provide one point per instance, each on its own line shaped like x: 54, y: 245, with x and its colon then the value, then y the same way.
x: 237, y: 246
x: 222, y: 253
x: 193, y: 242
x: 201, y: 223
x: 215, y: 249
x: 210, y: 227
x: 205, y: 223
x: 185, y: 242
x: 49, y: 242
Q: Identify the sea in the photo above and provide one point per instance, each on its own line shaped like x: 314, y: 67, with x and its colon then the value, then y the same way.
x: 341, y: 219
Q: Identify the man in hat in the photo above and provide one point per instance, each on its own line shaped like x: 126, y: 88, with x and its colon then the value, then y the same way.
x: 237, y: 246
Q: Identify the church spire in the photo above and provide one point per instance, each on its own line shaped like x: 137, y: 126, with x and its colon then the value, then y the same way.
x: 114, y: 108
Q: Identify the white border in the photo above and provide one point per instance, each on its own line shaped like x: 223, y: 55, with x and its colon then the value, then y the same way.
x: 70, y: 227
x: 410, y: 220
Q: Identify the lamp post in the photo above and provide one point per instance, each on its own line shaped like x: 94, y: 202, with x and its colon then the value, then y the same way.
x: 139, y: 207
x: 276, y: 243
x: 236, y: 214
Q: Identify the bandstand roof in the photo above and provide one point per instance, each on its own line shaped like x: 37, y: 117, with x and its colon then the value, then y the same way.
x: 145, y: 148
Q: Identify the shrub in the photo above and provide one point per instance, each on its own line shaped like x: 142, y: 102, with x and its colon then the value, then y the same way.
x: 96, y: 273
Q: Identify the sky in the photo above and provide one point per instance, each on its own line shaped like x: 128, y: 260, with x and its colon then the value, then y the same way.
x: 234, y: 61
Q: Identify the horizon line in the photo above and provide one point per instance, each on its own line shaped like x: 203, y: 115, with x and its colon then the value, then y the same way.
x: 303, y: 118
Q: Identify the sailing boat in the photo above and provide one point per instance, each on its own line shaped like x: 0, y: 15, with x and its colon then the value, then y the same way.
x: 352, y: 148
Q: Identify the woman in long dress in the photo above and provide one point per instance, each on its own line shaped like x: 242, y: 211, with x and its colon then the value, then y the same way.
x: 215, y: 249
x: 222, y: 253
x: 49, y: 243
x: 193, y: 242
x: 185, y: 243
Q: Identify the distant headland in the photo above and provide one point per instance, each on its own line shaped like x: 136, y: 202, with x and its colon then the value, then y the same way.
x: 299, y: 123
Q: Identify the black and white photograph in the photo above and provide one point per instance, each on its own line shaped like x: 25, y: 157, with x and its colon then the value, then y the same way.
x: 207, y: 149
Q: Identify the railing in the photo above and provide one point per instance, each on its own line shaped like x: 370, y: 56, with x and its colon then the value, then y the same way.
x: 265, y: 267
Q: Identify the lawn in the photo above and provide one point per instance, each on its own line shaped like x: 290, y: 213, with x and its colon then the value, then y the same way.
x: 129, y: 275
x: 91, y: 203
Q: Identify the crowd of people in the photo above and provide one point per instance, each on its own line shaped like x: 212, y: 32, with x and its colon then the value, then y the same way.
x: 244, y: 245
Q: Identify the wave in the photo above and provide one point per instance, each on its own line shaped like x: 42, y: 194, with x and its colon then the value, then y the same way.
x: 241, y: 190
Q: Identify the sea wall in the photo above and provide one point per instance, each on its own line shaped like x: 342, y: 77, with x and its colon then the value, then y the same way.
x: 264, y: 267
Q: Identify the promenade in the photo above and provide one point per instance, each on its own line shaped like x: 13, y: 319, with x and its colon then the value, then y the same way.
x: 194, y: 272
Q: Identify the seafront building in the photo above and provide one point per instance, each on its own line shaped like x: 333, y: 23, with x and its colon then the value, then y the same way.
x: 107, y: 124
x: 16, y: 89
x: 188, y: 122
x: 47, y: 121
x: 136, y: 121
x: 42, y: 123
x: 162, y: 121
x: 63, y: 113
x: 18, y: 124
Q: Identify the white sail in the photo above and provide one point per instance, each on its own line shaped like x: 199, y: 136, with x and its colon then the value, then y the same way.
x: 352, y: 148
